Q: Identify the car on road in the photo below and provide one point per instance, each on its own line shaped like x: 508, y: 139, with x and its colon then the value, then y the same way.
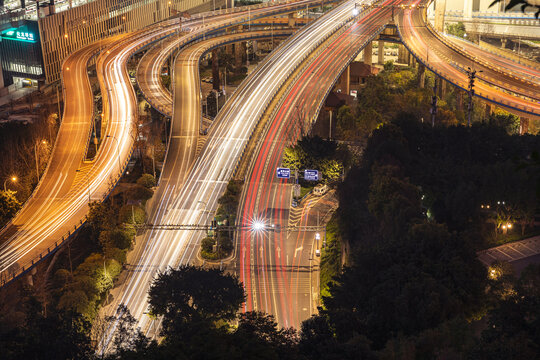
x: 320, y: 189
x: 317, y: 252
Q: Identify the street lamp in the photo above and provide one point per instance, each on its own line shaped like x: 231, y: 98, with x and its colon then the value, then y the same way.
x: 355, y: 11
x: 117, y: 151
x: 258, y: 225
x: 13, y: 179
x: 44, y: 142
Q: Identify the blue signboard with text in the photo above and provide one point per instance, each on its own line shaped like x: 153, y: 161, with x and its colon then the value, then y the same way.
x: 311, y: 175
x: 283, y: 173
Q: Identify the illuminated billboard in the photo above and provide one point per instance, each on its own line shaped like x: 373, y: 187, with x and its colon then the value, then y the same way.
x: 20, y: 34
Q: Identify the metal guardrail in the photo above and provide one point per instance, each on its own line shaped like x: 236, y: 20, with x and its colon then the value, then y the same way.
x: 286, y: 78
x: 507, y: 104
x: 5, y: 278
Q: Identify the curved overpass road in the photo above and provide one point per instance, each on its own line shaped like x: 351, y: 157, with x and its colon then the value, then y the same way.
x: 61, y: 194
x: 495, y: 86
x: 197, y: 30
x: 149, y: 69
x: 508, y: 66
x: 276, y: 267
x: 60, y: 202
x: 211, y: 171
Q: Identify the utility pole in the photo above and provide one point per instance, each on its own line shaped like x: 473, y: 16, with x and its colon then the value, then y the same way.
x: 472, y: 75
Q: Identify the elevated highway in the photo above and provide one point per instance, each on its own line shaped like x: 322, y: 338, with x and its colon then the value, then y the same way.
x: 276, y: 268
x: 496, y: 85
x: 216, y: 163
x: 59, y: 204
x: 149, y: 69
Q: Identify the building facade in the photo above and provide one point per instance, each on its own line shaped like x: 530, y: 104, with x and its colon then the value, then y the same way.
x: 21, y: 58
x: 57, y: 30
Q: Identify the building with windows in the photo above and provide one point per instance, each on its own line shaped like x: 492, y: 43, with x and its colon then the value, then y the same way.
x: 21, y: 58
x: 36, y: 37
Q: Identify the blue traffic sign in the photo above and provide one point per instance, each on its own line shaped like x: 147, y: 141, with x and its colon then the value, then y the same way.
x: 311, y: 175
x: 283, y: 173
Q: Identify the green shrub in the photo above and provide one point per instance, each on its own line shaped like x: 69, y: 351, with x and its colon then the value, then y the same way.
x: 62, y: 277
x: 132, y: 214
x: 76, y: 301
x: 87, y: 285
x: 147, y: 180
x: 207, y: 244
x: 117, y: 238
x: 116, y: 254
x: 139, y: 192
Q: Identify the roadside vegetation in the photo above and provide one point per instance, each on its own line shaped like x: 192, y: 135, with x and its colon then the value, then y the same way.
x: 76, y: 283
x: 219, y: 243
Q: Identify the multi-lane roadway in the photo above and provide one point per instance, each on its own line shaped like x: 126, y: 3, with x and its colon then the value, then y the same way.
x: 495, y: 84
x: 59, y: 205
x: 216, y: 164
x: 275, y: 267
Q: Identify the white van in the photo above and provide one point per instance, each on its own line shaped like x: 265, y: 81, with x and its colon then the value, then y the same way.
x: 320, y: 189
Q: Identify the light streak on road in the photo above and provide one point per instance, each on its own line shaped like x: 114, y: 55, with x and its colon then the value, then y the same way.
x: 498, y: 87
x: 214, y: 167
x: 276, y: 268
x: 59, y: 205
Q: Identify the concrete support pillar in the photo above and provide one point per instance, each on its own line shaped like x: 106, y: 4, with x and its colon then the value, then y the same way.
x: 292, y: 19
x: 441, y: 87
x: 503, y: 43
x: 488, y: 109
x: 402, y: 54
x: 254, y: 44
x: 215, y: 70
x: 239, y: 51
x: 344, y: 81
x: 381, y: 53
x: 467, y: 8
x: 440, y: 8
x: 421, y: 75
x: 523, y: 125
x: 368, y: 54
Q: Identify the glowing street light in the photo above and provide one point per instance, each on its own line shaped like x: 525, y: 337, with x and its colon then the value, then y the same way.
x: 13, y: 179
x: 258, y: 225
x: 355, y: 11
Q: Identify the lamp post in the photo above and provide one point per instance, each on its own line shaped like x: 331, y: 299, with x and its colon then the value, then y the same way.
x: 13, y: 179
x: 117, y: 151
x: 44, y: 142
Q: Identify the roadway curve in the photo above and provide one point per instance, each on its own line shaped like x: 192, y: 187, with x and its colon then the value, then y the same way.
x: 59, y: 204
x: 149, y: 69
x: 494, y: 85
x: 276, y: 267
x: 61, y: 195
x: 520, y: 70
x: 216, y: 164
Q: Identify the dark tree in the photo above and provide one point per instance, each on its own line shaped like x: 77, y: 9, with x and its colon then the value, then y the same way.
x: 192, y: 294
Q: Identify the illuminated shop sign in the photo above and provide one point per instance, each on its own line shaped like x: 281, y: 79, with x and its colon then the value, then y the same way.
x: 18, y: 35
